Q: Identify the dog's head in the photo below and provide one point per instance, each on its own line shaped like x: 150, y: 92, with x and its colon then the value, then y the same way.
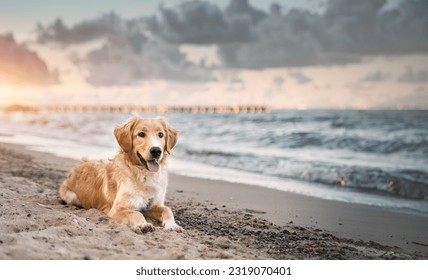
x: 146, y: 140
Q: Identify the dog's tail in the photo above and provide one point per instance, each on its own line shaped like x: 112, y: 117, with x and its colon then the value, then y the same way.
x: 68, y: 195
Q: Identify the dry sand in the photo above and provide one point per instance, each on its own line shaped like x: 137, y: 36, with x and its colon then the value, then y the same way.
x: 221, y: 221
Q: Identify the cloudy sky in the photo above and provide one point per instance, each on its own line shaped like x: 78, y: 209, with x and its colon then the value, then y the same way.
x: 287, y: 54
x: 21, y: 16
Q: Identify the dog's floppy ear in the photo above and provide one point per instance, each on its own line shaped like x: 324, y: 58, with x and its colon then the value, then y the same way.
x: 123, y: 134
x: 171, y: 136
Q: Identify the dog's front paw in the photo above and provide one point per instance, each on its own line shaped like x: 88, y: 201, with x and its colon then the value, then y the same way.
x: 144, y: 228
x: 173, y: 227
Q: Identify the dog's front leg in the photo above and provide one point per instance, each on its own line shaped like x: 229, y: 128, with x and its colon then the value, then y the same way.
x: 130, y: 217
x: 164, y: 215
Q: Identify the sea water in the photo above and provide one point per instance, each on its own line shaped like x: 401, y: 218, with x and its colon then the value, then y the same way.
x: 368, y: 157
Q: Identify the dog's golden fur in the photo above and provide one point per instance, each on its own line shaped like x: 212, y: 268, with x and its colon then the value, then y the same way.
x: 131, y: 185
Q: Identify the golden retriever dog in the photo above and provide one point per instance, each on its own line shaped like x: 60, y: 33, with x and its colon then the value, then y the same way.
x: 133, y: 184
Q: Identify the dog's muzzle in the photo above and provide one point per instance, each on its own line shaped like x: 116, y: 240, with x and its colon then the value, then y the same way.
x: 151, y: 165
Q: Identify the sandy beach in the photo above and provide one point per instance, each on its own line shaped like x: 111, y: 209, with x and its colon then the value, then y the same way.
x: 221, y: 221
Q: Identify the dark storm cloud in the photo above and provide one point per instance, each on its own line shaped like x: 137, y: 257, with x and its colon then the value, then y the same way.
x: 294, y: 39
x: 364, y: 27
x: 346, y: 31
x: 109, y: 25
x: 22, y: 67
x: 114, y: 64
x: 254, y: 39
x: 271, y: 48
x: 194, y: 22
x: 197, y: 22
x: 130, y: 53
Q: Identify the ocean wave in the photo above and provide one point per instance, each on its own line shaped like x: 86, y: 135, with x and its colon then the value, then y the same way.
x: 392, y: 181
x: 384, y: 152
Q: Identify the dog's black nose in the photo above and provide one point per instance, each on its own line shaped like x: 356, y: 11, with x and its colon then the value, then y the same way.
x: 155, y: 152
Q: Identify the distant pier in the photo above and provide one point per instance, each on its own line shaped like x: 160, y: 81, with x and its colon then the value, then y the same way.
x: 160, y: 109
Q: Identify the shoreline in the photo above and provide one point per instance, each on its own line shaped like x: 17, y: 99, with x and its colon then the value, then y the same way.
x: 206, y: 172
x: 365, y: 226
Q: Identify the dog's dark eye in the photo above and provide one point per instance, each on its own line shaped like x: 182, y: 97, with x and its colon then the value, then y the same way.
x: 142, y: 134
x: 160, y: 134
